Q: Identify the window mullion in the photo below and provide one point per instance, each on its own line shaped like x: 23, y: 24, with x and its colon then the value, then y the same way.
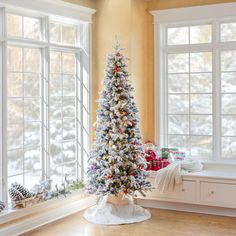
x: 216, y: 93
x: 3, y: 111
x: 77, y: 107
x: 163, y: 87
x: 81, y: 119
x: 46, y: 100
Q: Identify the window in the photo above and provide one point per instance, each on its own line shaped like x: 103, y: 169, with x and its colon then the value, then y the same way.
x: 197, y: 72
x: 47, y: 109
x: 24, y: 119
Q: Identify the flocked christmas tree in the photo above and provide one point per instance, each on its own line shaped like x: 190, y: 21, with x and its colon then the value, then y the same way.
x: 117, y: 163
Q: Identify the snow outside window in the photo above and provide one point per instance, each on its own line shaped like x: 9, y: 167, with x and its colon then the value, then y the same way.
x: 198, y: 81
x: 46, y: 103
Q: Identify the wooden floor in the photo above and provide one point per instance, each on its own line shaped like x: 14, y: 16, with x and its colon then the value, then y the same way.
x: 162, y: 223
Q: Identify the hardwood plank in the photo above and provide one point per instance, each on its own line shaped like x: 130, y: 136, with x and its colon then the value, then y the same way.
x: 162, y: 223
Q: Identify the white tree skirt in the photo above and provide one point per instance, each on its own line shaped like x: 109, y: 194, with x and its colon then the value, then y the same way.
x: 105, y: 213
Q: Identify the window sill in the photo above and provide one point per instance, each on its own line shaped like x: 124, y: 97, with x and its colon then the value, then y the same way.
x: 19, y: 221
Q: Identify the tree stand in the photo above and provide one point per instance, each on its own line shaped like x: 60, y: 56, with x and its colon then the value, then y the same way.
x: 116, y: 210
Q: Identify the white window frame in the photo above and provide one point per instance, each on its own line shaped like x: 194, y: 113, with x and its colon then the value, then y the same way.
x: 54, y: 10
x: 209, y: 14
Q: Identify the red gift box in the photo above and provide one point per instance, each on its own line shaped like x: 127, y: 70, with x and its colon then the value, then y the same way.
x: 154, y: 163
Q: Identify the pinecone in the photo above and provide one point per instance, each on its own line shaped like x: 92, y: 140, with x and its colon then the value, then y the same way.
x: 15, y: 195
x: 2, y: 205
x: 23, y: 190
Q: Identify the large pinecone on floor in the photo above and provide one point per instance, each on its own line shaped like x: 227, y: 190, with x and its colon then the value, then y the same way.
x: 23, y: 190
x: 15, y: 195
x: 2, y: 205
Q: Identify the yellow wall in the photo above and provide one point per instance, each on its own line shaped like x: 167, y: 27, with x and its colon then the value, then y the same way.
x: 131, y: 21
x: 165, y: 4
x: 141, y: 66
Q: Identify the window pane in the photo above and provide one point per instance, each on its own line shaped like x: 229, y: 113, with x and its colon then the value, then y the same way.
x: 68, y: 107
x: 70, y: 170
x: 201, y: 103
x: 69, y: 85
x: 201, y: 62
x: 55, y: 108
x: 31, y: 178
x: 228, y: 32
x: 32, y: 84
x: 15, y: 162
x: 228, y: 82
x: 15, y: 136
x: 179, y: 141
x: 69, y: 129
x: 178, y: 63
x: 55, y: 33
x: 22, y: 111
x: 32, y: 109
x: 228, y: 147
x: 32, y: 159
x: 201, y: 146
x: 228, y: 125
x: 55, y: 154
x: 228, y: 104
x: 63, y: 115
x: 178, y: 83
x: 201, y: 125
x: 178, y: 104
x: 68, y: 152
x: 228, y: 61
x: 13, y: 179
x: 55, y: 62
x: 32, y: 28
x: 177, y: 36
x: 200, y: 34
x: 14, y: 25
x: 68, y: 35
x: 56, y: 131
x: 55, y: 85
x: 14, y: 59
x: 32, y: 134
x: 14, y: 84
x: 15, y: 110
x: 63, y: 34
x: 200, y: 83
x: 32, y: 59
x: 178, y: 124
x: 68, y: 63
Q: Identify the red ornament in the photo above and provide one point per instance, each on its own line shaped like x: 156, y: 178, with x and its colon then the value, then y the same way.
x: 109, y: 177
x: 120, y: 131
x: 131, y: 174
x: 122, y: 113
x: 125, y: 191
x: 117, y: 69
x: 117, y: 54
x: 140, y: 167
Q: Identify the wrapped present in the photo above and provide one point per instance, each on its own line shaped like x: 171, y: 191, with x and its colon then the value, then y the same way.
x: 177, y: 155
x: 150, y: 155
x: 149, y: 166
x: 165, y: 152
x: 160, y: 163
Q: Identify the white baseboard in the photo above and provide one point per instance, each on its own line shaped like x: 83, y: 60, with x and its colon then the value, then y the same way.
x: 27, y: 224
x: 222, y: 211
